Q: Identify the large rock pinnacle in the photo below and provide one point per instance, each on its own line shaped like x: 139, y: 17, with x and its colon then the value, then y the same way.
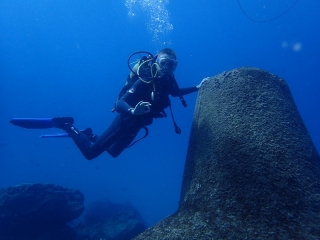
x: 252, y: 171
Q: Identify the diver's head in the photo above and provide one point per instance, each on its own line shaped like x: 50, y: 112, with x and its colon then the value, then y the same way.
x: 167, y: 61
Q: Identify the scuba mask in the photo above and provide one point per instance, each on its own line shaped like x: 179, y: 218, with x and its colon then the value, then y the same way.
x: 167, y: 64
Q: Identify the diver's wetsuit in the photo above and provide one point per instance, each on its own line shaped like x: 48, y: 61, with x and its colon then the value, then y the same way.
x: 126, y: 126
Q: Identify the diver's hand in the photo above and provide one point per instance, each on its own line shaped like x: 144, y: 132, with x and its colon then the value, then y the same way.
x: 141, y: 108
x: 202, y: 82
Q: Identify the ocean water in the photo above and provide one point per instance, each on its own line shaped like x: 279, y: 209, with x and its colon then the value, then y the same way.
x: 69, y: 58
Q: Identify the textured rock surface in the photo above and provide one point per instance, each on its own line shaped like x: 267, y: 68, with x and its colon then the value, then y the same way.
x: 252, y: 171
x: 110, y: 221
x: 36, y: 211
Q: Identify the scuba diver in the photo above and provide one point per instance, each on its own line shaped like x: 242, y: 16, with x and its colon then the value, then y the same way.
x: 143, y: 98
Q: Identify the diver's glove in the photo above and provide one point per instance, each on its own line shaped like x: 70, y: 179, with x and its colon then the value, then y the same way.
x: 140, y: 108
x: 202, y: 82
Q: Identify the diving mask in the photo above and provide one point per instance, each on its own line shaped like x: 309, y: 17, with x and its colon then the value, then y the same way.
x: 167, y: 64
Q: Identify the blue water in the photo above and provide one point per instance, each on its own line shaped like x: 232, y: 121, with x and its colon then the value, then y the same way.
x: 68, y: 58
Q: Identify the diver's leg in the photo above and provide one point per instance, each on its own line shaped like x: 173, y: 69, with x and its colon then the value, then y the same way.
x: 117, y: 137
x: 114, y: 140
x: 83, y: 142
x: 88, y: 132
x: 122, y: 142
x: 80, y: 138
x: 130, y: 130
x: 116, y: 134
x: 103, y: 142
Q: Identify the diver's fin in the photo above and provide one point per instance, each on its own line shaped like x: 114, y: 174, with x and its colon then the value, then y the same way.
x: 88, y: 132
x: 40, y: 123
x: 33, y: 123
x: 63, y: 123
x: 55, y: 135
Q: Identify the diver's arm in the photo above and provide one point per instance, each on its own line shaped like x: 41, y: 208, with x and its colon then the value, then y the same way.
x: 122, y: 106
x: 129, y: 100
x: 176, y: 91
x: 185, y: 91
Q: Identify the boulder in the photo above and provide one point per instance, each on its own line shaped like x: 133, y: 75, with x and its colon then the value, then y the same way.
x: 110, y: 221
x: 252, y: 171
x: 32, y: 211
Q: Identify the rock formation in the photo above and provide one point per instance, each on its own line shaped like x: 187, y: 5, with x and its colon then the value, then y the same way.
x: 42, y: 212
x: 38, y: 211
x: 252, y: 171
x: 110, y: 221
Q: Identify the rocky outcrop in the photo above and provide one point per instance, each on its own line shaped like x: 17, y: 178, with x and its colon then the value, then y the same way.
x: 110, y: 221
x: 38, y: 211
x: 252, y: 171
x: 42, y: 211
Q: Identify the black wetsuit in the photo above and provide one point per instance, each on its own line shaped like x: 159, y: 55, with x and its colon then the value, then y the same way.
x: 126, y: 126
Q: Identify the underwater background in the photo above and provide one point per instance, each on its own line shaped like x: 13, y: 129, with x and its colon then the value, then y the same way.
x: 69, y: 58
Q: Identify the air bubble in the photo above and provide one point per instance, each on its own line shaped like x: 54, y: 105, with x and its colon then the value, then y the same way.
x: 159, y: 18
